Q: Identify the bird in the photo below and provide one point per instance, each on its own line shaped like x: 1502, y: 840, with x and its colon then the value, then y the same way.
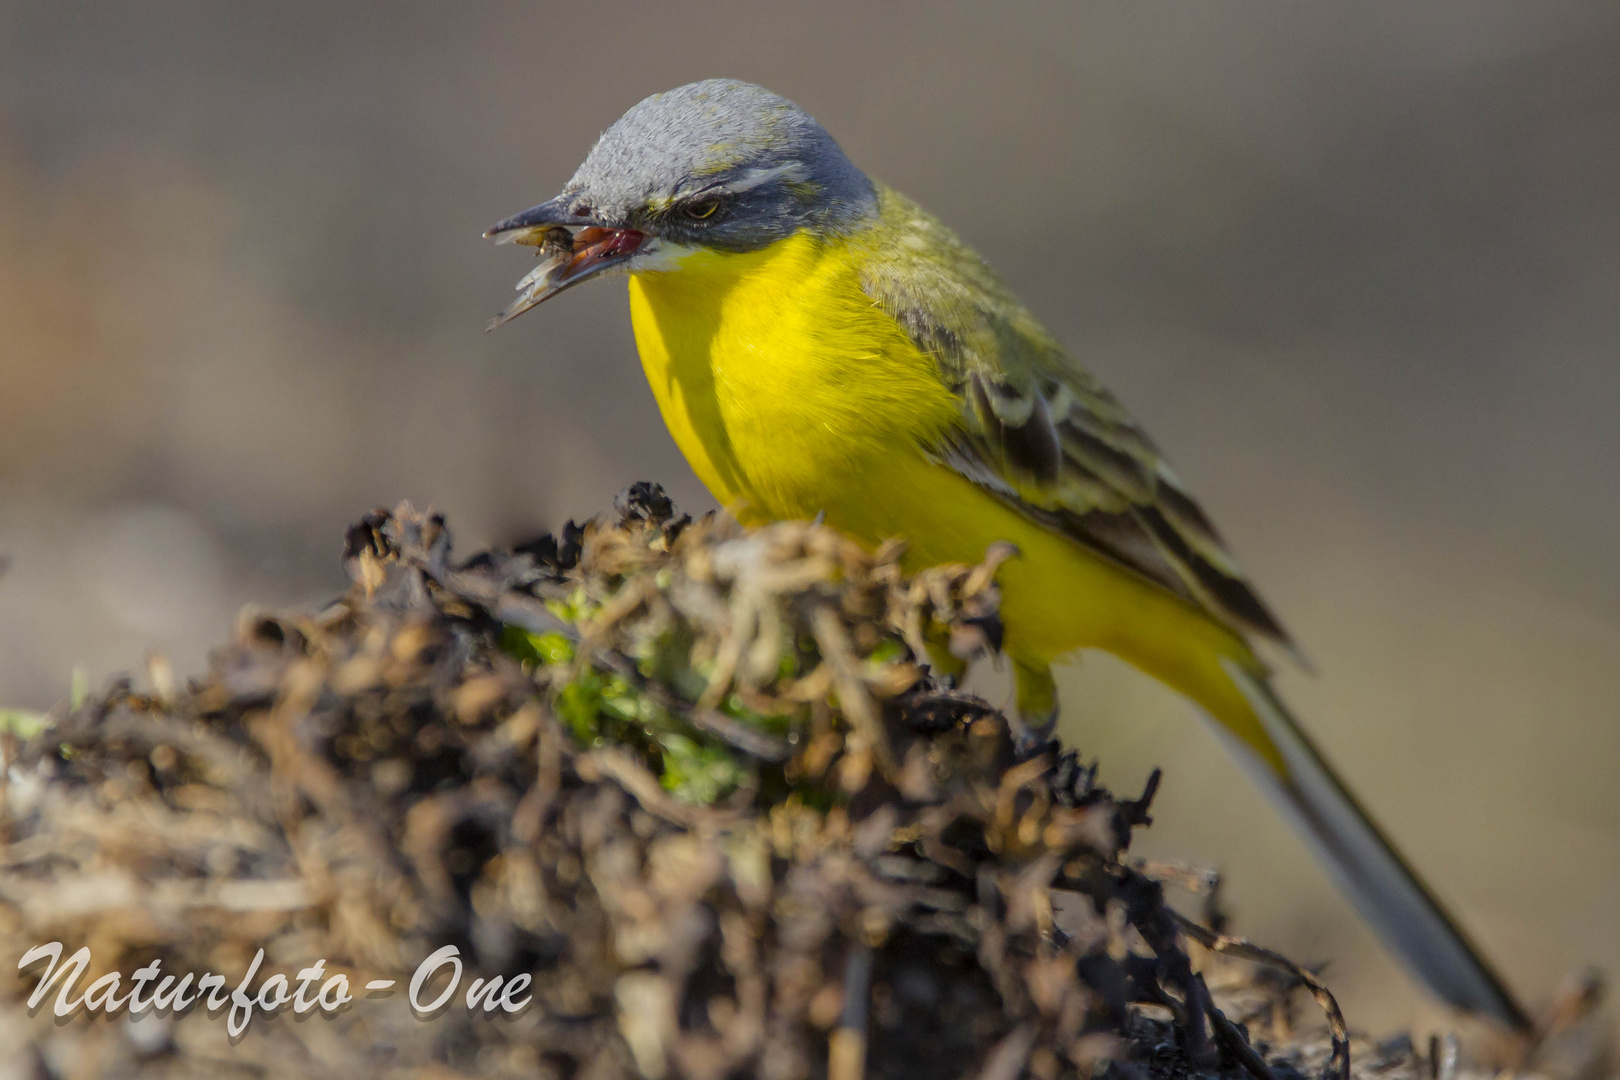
x: 821, y: 347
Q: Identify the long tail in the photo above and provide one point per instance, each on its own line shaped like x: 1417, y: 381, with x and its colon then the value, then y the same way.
x: 1390, y: 896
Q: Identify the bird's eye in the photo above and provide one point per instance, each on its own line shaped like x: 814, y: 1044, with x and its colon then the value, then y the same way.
x: 703, y: 208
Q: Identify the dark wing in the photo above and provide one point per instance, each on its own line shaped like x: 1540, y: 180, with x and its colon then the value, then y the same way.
x: 1040, y: 431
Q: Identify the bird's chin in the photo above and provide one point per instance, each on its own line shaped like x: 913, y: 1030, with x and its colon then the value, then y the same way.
x: 570, y: 256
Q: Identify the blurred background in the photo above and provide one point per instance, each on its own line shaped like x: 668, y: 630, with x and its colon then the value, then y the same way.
x: 1356, y: 266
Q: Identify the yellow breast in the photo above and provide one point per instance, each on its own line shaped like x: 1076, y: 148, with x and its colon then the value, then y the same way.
x: 779, y: 379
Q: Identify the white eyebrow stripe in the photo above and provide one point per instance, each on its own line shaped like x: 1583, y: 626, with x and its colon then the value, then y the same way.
x: 753, y: 178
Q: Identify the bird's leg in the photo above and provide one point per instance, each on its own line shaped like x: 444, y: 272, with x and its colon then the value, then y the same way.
x: 944, y: 665
x: 1037, y: 710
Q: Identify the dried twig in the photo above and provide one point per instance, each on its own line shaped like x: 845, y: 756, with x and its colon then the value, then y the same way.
x: 1339, y: 1063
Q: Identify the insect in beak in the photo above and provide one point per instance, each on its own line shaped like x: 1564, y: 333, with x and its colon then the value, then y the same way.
x: 571, y: 251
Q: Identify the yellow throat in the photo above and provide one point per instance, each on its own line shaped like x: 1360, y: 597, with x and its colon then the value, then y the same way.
x: 770, y: 367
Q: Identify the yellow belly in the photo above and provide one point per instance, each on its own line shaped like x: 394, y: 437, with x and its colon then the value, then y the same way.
x: 791, y: 394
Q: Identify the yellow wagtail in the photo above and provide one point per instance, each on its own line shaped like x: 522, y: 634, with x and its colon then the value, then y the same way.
x: 818, y: 344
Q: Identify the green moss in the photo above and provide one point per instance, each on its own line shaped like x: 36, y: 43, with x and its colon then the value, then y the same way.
x: 775, y: 723
x: 577, y: 608
x: 79, y: 686
x: 23, y: 724
x: 887, y: 652
x: 699, y: 772
x: 552, y: 648
x: 603, y: 708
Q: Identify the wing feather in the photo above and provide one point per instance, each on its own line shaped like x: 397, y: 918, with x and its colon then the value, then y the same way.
x: 1042, y: 433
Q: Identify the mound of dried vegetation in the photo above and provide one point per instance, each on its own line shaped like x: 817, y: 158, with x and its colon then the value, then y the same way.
x: 692, y: 781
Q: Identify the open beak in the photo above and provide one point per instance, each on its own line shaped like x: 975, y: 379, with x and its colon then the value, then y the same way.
x: 571, y: 249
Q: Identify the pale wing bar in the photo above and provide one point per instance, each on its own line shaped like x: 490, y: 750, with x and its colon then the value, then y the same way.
x: 1099, y: 480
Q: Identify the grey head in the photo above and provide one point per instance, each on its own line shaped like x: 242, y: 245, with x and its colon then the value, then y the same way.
x: 764, y: 165
x: 719, y: 164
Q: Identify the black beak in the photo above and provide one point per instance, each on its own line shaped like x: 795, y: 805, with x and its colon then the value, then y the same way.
x: 551, y: 214
x: 573, y: 247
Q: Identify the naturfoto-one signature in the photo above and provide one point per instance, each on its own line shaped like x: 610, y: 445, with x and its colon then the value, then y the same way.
x: 149, y: 988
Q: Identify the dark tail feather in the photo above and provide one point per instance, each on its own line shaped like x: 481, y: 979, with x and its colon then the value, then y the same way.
x: 1396, y: 903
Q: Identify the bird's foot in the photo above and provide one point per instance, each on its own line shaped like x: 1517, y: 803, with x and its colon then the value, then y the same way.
x: 1032, y: 736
